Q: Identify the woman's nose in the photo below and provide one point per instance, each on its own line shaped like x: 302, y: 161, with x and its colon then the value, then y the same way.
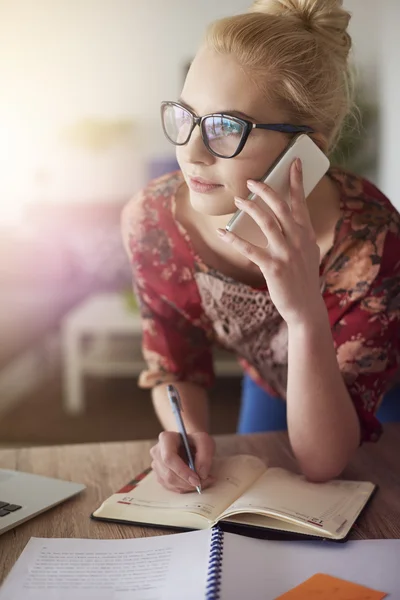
x: 195, y: 150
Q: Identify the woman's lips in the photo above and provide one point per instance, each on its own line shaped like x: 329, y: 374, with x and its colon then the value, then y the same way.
x: 202, y: 186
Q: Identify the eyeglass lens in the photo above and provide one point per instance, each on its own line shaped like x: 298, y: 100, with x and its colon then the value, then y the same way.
x: 222, y: 133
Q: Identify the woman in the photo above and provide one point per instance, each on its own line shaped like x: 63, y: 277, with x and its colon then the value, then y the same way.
x: 313, y: 317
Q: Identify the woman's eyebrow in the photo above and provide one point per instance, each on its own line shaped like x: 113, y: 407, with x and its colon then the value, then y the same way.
x: 232, y: 112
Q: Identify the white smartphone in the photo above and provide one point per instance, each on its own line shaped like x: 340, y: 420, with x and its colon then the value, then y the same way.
x: 314, y: 163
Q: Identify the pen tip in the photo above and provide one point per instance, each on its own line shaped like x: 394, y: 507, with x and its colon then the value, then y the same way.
x: 198, y: 488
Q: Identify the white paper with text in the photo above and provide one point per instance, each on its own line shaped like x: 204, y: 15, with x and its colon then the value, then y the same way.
x: 168, y: 567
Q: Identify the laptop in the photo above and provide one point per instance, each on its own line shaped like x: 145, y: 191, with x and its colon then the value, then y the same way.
x: 23, y: 495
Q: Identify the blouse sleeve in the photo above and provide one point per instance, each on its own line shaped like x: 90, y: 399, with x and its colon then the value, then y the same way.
x: 176, y: 336
x: 174, y: 349
x: 368, y: 349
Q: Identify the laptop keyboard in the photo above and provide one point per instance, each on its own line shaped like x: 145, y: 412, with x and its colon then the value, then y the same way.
x: 6, y: 508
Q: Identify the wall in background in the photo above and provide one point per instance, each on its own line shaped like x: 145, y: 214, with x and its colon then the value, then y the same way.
x: 389, y: 89
x: 63, y: 60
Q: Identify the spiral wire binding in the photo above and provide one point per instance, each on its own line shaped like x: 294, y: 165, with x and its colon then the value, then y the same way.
x: 215, y: 564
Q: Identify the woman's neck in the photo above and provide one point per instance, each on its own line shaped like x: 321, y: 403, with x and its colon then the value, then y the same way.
x: 324, y: 207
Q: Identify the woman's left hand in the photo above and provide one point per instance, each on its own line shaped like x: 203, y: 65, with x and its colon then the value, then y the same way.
x: 290, y: 262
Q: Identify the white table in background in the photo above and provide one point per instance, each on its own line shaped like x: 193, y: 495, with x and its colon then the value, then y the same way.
x: 101, y: 337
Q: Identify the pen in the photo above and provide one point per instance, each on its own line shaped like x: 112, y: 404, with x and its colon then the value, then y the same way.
x: 176, y: 405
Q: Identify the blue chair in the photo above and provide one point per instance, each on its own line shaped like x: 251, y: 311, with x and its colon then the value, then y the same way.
x: 259, y: 411
x: 389, y: 410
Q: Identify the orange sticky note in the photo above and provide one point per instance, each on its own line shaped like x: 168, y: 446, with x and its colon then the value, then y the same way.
x: 325, y: 587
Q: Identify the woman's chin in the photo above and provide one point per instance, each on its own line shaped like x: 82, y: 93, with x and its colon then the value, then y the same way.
x: 209, y: 204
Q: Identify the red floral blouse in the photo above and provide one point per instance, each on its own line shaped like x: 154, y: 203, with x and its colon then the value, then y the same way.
x: 188, y: 307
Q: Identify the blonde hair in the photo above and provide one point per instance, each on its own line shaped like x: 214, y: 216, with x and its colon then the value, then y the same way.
x: 297, y: 52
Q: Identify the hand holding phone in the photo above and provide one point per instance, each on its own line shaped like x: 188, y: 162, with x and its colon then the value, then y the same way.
x: 314, y: 165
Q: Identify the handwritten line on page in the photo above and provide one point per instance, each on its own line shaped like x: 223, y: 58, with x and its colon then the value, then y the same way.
x: 170, y: 567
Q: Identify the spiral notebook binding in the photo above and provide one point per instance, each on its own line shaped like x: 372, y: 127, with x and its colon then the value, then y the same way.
x: 215, y: 564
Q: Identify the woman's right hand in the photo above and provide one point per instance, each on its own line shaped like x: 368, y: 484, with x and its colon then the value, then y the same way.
x: 170, y: 462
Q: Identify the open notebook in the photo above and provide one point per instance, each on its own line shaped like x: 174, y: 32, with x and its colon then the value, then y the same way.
x: 207, y: 564
x: 247, y: 497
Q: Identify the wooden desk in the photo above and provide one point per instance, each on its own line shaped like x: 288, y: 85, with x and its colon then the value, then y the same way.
x: 104, y: 468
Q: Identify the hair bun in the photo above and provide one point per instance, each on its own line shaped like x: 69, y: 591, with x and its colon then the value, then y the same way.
x: 325, y: 18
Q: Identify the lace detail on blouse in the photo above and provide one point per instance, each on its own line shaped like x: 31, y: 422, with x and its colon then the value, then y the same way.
x: 246, y: 321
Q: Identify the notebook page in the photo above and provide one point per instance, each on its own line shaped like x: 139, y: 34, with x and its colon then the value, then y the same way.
x: 255, y: 569
x: 168, y: 567
x: 332, y: 506
x: 150, y: 502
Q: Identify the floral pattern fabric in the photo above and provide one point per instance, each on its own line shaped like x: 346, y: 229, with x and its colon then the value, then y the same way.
x: 187, y: 307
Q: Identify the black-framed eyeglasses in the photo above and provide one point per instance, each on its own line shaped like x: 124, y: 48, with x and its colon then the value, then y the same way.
x: 223, y: 135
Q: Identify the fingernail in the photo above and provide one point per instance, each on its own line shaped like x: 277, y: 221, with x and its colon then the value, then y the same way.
x: 239, y: 201
x: 194, y: 481
x: 299, y: 166
x: 202, y: 473
x: 251, y: 184
x: 221, y: 232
